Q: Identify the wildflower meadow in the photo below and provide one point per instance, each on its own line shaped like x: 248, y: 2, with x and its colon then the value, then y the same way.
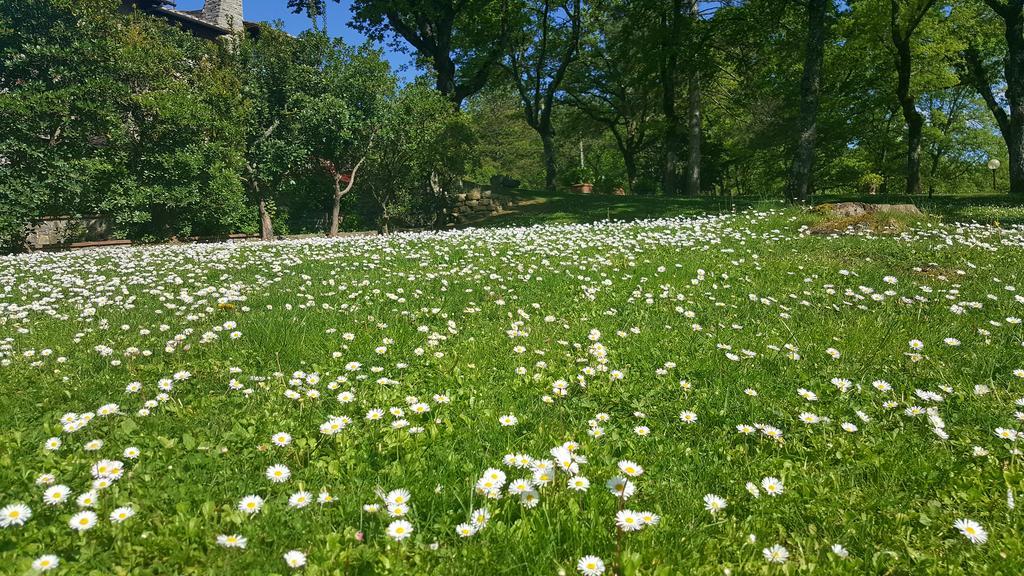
x: 713, y: 395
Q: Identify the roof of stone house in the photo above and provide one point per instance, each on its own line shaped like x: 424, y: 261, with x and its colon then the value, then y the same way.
x: 193, y: 20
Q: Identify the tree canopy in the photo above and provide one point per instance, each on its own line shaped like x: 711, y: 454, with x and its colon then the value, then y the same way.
x: 117, y: 113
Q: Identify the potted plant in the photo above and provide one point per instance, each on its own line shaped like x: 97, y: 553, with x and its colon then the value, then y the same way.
x: 584, y: 180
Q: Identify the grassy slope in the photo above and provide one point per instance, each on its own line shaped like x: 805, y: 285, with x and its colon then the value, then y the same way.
x: 538, y: 207
x: 889, y: 492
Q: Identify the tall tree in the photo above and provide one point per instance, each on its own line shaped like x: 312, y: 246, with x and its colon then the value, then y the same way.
x: 462, y: 41
x: 694, y: 123
x: 615, y: 85
x: 340, y: 104
x: 670, y: 43
x: 802, y: 169
x: 1010, y: 122
x: 904, y: 18
x: 268, y: 65
x: 537, y: 63
x: 952, y: 147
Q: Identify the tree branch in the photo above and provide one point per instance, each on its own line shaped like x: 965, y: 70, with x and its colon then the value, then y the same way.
x: 352, y: 178
x: 423, y: 43
x: 979, y: 80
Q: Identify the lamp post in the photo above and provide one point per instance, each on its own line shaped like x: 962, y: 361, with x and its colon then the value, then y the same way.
x: 993, y: 165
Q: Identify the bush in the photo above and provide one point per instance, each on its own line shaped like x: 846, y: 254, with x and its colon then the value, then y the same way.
x: 141, y: 122
x: 422, y: 150
x: 870, y: 183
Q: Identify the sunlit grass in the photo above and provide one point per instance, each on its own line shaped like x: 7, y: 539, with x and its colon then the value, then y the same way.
x: 692, y: 313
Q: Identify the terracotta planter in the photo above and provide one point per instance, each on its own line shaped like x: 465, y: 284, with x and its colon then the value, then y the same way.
x: 583, y: 188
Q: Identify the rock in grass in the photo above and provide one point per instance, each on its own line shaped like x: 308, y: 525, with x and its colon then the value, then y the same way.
x: 855, y: 209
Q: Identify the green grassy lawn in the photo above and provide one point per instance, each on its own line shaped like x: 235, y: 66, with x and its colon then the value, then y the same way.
x: 840, y: 396
x: 562, y: 207
x: 542, y: 207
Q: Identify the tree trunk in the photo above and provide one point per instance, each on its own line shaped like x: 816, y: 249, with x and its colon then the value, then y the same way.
x: 336, y: 207
x: 626, y: 147
x: 266, y: 226
x: 802, y: 169
x: 933, y: 173
x: 913, y: 118
x: 901, y: 40
x: 673, y: 136
x: 915, y: 129
x: 670, y: 171
x: 1016, y: 156
x: 884, y: 190
x: 445, y: 82
x: 629, y: 159
x: 550, y: 172
x: 695, y: 136
x: 338, y: 177
x: 1015, y: 95
x: 1011, y: 125
x: 673, y: 128
x: 977, y: 77
x: 694, y: 124
x: 441, y: 200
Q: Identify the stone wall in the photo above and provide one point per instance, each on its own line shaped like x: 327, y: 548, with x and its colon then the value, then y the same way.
x: 52, y: 230
x: 476, y: 203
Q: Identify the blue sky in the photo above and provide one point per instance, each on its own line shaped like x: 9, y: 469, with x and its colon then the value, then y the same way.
x: 338, y: 16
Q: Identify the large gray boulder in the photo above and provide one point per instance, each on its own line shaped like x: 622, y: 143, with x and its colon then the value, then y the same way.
x: 856, y: 209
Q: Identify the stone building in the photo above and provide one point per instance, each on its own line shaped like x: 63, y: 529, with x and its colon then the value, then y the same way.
x: 216, y: 19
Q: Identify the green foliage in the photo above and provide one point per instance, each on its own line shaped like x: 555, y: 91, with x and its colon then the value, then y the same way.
x: 582, y: 175
x: 506, y: 145
x: 870, y: 183
x: 614, y: 89
x: 56, y: 95
x: 184, y: 139
x: 121, y: 115
x: 422, y: 149
x: 461, y: 42
x: 275, y: 151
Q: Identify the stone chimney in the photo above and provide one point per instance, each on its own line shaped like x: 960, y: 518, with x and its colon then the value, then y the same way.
x: 223, y: 13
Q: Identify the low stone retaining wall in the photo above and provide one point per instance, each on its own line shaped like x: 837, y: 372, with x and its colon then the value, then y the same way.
x: 477, y: 203
x: 56, y: 230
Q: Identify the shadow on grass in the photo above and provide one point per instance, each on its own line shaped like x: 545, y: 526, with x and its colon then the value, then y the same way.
x: 534, y: 207
x: 540, y: 207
